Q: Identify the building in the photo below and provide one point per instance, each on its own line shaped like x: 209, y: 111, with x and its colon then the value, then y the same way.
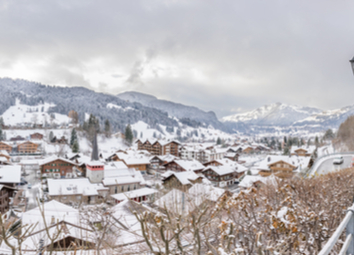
x: 10, y: 175
x: 280, y: 166
x: 180, y: 180
x: 95, y: 168
x: 6, y: 194
x: 27, y: 148
x: 138, y: 195
x: 220, y: 176
x: 185, y: 165
x: 77, y: 191
x: 5, y: 147
x: 132, y: 160
x: 17, y: 138
x: 57, y: 167
x: 119, y: 178
x: 36, y: 136
x: 159, y: 147
x: 303, y: 151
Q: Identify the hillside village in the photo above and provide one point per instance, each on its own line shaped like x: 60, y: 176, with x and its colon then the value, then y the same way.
x: 48, y: 183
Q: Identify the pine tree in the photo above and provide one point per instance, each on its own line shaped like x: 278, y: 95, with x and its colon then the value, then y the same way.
x: 73, y: 137
x: 218, y: 141
x: 75, y: 147
x: 129, y: 135
x: 1, y: 136
x: 1, y: 122
x: 317, y: 143
x: 107, y: 128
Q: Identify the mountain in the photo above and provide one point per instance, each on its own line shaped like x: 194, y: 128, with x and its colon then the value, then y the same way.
x: 119, y: 112
x: 180, y: 111
x: 276, y: 114
x: 289, y: 118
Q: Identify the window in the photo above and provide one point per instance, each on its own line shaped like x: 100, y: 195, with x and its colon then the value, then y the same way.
x: 64, y: 198
x: 78, y: 197
x: 116, y: 190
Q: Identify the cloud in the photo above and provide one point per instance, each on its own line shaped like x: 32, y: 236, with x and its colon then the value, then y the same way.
x: 216, y: 55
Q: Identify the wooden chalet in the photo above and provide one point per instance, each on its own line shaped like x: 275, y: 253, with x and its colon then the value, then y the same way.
x: 36, y: 136
x: 185, y: 165
x: 181, y: 180
x: 220, y: 176
x: 6, y: 192
x: 57, y: 167
x: 5, y: 147
x: 157, y: 147
x: 280, y: 166
x: 17, y: 138
x: 27, y: 147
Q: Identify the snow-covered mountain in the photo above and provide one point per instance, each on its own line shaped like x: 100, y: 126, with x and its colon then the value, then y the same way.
x: 177, y: 110
x: 285, y: 118
x: 277, y: 114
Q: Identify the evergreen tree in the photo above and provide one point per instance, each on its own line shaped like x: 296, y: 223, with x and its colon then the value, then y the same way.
x: 141, y: 134
x: 154, y: 135
x: 73, y: 137
x: 317, y: 143
x: 218, y: 141
x: 1, y: 136
x: 107, y: 128
x: 1, y: 122
x: 75, y: 147
x: 4, y: 136
x: 129, y: 135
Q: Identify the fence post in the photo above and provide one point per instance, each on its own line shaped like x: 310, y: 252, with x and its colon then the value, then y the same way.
x: 350, y: 231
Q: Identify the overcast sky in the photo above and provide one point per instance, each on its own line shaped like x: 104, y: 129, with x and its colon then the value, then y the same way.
x: 225, y: 56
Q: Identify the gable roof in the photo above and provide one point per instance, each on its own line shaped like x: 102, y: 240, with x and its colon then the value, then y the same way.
x: 183, y: 177
x: 53, y: 158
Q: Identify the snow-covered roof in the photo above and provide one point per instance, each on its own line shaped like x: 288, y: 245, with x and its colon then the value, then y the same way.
x: 53, y: 158
x: 183, y: 177
x: 80, y: 186
x: 220, y: 170
x: 190, y: 165
x: 10, y: 174
x: 178, y: 201
x: 208, y: 192
x: 248, y: 181
x: 271, y: 159
x: 309, y: 149
x: 122, y: 176
x: 4, y: 152
x: 134, y: 194
x: 52, y: 209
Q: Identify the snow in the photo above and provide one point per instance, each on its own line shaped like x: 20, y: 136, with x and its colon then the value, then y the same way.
x: 20, y: 114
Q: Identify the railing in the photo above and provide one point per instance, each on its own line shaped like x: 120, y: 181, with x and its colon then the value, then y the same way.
x: 348, y: 246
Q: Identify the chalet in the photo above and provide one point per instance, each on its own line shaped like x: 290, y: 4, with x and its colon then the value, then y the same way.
x: 252, y: 181
x: 158, y: 161
x: 207, y: 192
x: 80, y: 191
x: 5, y: 147
x: 220, y: 176
x: 180, y: 180
x: 17, y: 138
x: 131, y: 160
x: 36, y: 136
x: 6, y: 194
x: 184, y: 165
x: 62, y: 140
x: 10, y: 175
x: 118, y: 178
x: 27, y: 148
x: 159, y: 147
x: 138, y: 195
x: 57, y: 167
x: 5, y: 154
x: 303, y: 151
x: 280, y: 166
x: 232, y: 156
x: 238, y: 168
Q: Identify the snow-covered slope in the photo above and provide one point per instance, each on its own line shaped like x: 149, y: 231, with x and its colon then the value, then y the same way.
x: 277, y: 114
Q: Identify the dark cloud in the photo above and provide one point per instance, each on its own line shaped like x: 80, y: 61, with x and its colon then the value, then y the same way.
x: 226, y: 56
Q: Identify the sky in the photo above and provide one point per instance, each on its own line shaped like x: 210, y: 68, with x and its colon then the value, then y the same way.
x: 226, y: 56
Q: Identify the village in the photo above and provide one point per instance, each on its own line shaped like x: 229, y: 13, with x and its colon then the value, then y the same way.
x: 154, y: 175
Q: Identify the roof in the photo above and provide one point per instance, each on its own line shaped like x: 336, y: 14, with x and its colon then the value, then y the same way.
x: 178, y: 201
x: 116, y: 176
x: 208, y: 192
x: 134, y: 194
x: 4, y: 152
x: 190, y: 165
x: 271, y: 159
x: 10, y: 174
x: 309, y: 149
x: 80, y: 186
x: 220, y: 170
x: 183, y: 177
x: 53, y: 158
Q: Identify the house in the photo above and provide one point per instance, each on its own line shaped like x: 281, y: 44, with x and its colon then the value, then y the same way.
x: 5, y: 154
x: 62, y: 140
x: 5, y: 147
x: 280, y: 166
x: 206, y: 192
x: 159, y: 147
x: 17, y: 138
x: 132, y: 160
x: 303, y: 151
x: 10, y: 175
x: 158, y: 161
x: 118, y: 178
x: 27, y: 148
x: 252, y: 181
x: 36, y: 136
x: 138, y: 195
x: 184, y: 165
x: 57, y: 167
x: 180, y: 180
x: 77, y: 191
x: 238, y: 168
x: 6, y: 194
x: 220, y: 176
